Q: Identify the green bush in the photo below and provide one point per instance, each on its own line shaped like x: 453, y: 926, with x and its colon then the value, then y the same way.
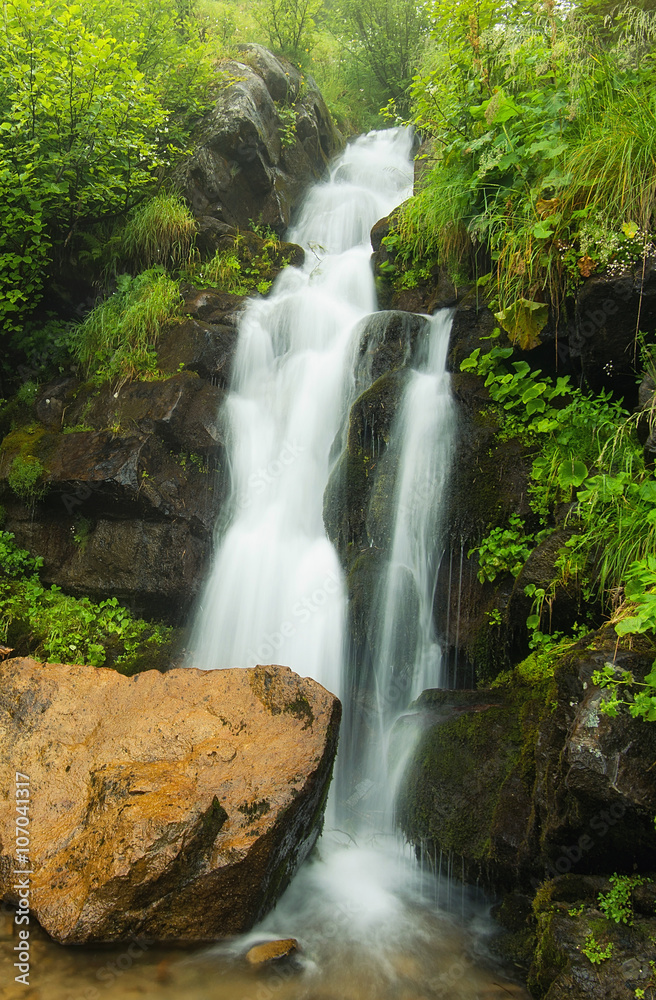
x: 24, y: 474
x: 159, y: 232
x: 543, y: 127
x: 96, y: 99
x: 66, y: 629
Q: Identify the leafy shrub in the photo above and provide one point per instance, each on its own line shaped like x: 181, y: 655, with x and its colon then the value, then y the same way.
x: 84, y: 136
x: 66, y: 629
x: 24, y: 474
x: 504, y: 550
x: 543, y: 127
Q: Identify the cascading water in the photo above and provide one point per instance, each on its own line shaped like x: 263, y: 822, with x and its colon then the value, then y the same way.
x: 407, y: 656
x: 276, y: 593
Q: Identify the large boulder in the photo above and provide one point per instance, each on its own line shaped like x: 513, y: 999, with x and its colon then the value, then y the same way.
x: 176, y: 806
x: 269, y: 135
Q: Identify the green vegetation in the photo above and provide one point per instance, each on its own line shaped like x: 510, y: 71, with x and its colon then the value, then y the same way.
x: 95, y: 101
x: 505, y: 550
x: 585, y: 459
x: 542, y: 127
x: 117, y: 340
x: 161, y: 231
x: 595, y: 951
x: 49, y: 624
x: 24, y: 475
x: 617, y: 905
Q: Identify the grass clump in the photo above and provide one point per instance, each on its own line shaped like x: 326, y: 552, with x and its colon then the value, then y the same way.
x: 24, y: 475
x: 116, y: 342
x: 161, y: 232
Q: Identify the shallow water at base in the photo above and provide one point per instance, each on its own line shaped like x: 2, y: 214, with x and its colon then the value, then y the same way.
x: 367, y: 928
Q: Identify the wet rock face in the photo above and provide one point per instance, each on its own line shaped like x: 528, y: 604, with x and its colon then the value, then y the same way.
x: 602, y: 338
x: 176, y: 806
x: 595, y: 794
x: 248, y: 163
x: 535, y: 781
x: 133, y: 474
x: 568, y: 916
x: 124, y: 514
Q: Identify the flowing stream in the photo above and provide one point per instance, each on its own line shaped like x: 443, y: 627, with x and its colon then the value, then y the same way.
x: 372, y: 924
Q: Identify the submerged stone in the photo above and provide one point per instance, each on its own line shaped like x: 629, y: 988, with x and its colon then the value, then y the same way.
x: 271, y: 951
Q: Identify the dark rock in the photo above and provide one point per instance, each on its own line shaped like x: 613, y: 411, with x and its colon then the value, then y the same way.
x: 594, y: 797
x: 212, y: 305
x: 181, y: 410
x: 240, y: 171
x: 149, y: 516
x: 562, y: 609
x: 567, y: 922
x: 358, y: 497
x: 209, y: 234
x: 602, y: 339
x: 467, y: 792
x: 378, y: 233
x: 391, y: 340
x: 205, y: 348
x: 51, y: 400
x: 536, y: 779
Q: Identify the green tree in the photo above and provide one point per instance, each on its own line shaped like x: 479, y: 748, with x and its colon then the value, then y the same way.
x: 87, y: 97
x: 289, y: 24
x: 386, y: 36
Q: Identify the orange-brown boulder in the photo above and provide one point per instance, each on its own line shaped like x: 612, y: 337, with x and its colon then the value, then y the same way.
x: 175, y: 806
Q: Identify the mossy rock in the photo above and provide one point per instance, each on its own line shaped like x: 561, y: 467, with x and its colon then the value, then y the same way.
x: 358, y: 509
x: 467, y: 790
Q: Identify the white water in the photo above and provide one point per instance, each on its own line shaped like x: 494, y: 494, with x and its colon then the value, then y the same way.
x: 276, y: 593
x: 407, y: 657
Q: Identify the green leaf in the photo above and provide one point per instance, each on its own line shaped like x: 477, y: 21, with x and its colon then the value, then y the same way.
x: 524, y: 320
x: 648, y: 491
x: 542, y: 231
x: 572, y: 473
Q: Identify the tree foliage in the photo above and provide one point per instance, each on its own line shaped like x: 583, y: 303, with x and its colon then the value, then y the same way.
x: 289, y: 24
x: 86, y: 101
x: 385, y: 35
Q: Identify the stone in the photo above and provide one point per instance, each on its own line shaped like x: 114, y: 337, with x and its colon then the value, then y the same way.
x: 171, y: 806
x: 601, y: 339
x: 240, y: 171
x: 271, y: 951
x: 533, y: 778
x: 567, y: 918
x: 142, y: 487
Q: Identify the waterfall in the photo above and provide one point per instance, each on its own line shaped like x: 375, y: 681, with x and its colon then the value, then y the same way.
x: 407, y: 657
x: 276, y: 592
